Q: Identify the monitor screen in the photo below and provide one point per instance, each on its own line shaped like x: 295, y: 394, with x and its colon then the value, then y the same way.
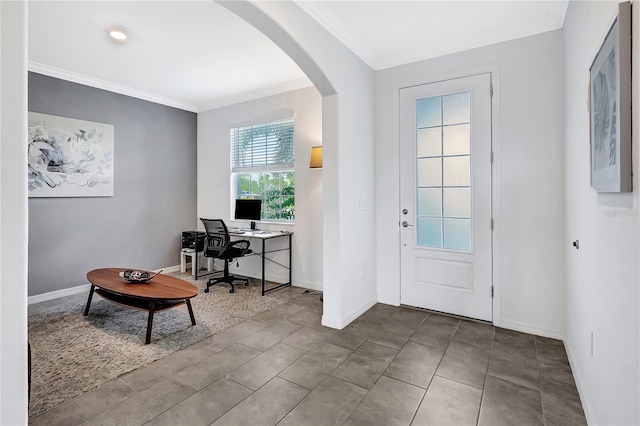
x: 248, y: 209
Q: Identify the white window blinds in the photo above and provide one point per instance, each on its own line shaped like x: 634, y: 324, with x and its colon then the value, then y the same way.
x: 263, y: 146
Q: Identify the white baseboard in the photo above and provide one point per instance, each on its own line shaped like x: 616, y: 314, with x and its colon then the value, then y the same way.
x: 169, y: 269
x: 388, y: 302
x: 308, y: 285
x: 327, y: 322
x: 577, y: 376
x: 272, y: 277
x: 84, y: 288
x: 531, y: 329
x: 340, y: 323
x: 43, y: 297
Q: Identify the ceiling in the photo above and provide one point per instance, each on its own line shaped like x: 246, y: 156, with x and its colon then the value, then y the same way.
x: 196, y: 55
x: 389, y: 33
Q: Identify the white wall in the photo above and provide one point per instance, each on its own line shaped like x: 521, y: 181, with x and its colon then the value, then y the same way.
x: 347, y: 86
x: 602, y: 276
x: 214, y: 186
x: 13, y: 213
x: 529, y: 180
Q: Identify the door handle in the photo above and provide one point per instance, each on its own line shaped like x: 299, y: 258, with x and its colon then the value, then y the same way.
x: 406, y: 224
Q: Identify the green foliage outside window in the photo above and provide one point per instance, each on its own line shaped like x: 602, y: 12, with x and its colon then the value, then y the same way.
x: 275, y: 189
x: 254, y: 150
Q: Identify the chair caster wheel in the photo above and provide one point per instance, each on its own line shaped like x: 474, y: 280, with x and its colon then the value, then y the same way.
x: 232, y: 290
x: 206, y: 290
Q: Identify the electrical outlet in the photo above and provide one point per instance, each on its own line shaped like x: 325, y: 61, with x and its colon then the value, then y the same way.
x: 363, y: 269
x: 591, y: 343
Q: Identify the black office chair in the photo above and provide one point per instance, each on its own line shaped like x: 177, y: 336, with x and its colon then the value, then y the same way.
x: 218, y: 245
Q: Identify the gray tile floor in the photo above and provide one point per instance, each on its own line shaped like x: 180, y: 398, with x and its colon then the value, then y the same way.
x: 392, y: 366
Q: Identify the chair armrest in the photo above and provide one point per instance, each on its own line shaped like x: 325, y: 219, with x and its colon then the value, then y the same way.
x: 242, y: 245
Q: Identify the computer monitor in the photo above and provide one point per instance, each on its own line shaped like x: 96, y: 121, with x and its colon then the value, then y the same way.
x: 248, y: 209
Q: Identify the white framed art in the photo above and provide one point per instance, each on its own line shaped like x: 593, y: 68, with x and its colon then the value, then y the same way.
x: 610, y: 108
x: 69, y: 157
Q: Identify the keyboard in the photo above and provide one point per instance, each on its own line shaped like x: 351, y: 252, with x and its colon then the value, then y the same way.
x: 242, y: 231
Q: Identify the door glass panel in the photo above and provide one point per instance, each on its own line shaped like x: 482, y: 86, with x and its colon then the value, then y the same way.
x: 457, y: 202
x: 429, y: 172
x: 456, y: 139
x: 457, y: 171
x: 456, y: 108
x: 457, y: 234
x: 429, y: 232
x: 443, y: 165
x: 429, y: 142
x: 429, y: 112
x: 430, y: 202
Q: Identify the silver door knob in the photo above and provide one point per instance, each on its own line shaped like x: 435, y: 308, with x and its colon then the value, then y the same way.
x: 405, y: 224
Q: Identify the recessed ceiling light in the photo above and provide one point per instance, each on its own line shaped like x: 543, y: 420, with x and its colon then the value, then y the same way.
x: 118, y: 34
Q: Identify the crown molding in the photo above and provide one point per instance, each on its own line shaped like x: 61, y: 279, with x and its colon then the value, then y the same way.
x: 323, y: 16
x: 140, y: 94
x: 301, y: 83
x: 110, y: 86
x: 320, y: 14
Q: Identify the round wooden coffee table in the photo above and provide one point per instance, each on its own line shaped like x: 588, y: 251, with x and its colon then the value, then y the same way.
x: 160, y: 293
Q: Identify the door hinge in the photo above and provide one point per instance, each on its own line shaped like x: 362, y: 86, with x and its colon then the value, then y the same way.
x: 492, y: 224
x: 491, y: 291
x: 491, y: 90
x: 491, y: 157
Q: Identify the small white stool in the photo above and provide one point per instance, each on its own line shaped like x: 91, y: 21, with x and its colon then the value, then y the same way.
x: 191, y: 252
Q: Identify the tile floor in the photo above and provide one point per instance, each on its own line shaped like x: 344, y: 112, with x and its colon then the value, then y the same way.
x: 392, y: 366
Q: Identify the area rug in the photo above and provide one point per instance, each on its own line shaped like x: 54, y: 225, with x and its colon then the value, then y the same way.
x: 73, y: 354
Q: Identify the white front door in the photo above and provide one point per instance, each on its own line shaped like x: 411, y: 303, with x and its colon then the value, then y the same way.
x: 445, y: 196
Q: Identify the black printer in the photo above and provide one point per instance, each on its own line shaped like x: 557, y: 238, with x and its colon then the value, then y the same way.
x: 193, y: 240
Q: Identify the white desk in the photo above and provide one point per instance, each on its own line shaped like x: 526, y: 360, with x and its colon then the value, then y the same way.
x: 263, y: 236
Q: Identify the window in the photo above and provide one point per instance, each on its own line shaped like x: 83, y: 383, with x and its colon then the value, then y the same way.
x: 443, y: 136
x: 262, y: 166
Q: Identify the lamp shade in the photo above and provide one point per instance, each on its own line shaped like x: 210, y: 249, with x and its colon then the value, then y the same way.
x: 316, y: 157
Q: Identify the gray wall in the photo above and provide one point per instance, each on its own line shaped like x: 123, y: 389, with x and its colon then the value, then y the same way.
x: 154, y: 189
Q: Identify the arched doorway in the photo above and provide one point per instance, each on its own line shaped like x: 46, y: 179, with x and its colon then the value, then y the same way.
x: 346, y: 85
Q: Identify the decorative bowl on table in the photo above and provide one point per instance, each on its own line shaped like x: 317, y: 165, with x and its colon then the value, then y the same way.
x: 137, y: 277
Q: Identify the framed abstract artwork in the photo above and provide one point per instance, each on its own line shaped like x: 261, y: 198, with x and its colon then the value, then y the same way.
x: 68, y: 157
x: 610, y: 108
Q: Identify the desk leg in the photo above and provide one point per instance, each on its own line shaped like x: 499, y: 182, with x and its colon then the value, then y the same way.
x: 193, y: 319
x: 152, y: 307
x: 290, y: 267
x: 290, y: 262
x: 263, y: 255
x: 195, y: 262
x: 86, y: 310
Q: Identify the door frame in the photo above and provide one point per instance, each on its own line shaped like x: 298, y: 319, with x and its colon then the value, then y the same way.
x: 495, y: 174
